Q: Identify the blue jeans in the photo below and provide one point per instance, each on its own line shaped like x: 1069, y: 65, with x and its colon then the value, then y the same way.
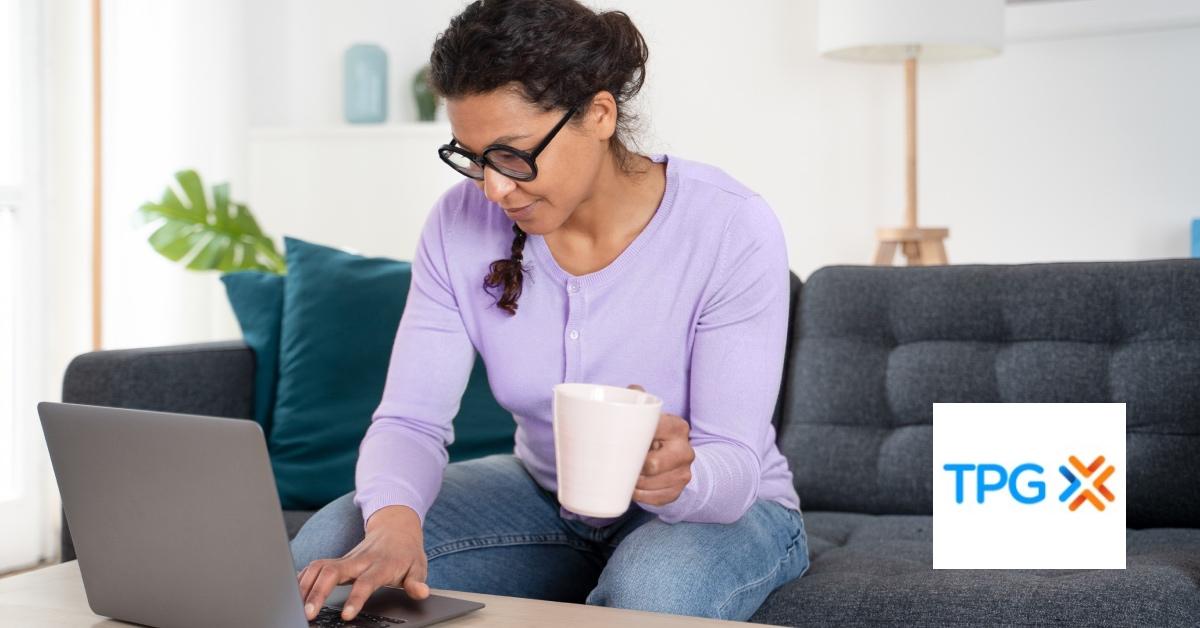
x: 494, y: 530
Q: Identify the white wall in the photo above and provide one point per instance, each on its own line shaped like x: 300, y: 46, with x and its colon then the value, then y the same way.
x: 368, y: 190
x: 1076, y: 149
x: 1080, y: 149
x: 1062, y: 148
x: 762, y: 85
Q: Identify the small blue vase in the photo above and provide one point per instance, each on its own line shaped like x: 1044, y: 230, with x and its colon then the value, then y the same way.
x: 365, y: 84
x: 1196, y: 238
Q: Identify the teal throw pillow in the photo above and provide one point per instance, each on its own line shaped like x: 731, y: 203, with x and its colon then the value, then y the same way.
x: 339, y: 320
x: 257, y: 301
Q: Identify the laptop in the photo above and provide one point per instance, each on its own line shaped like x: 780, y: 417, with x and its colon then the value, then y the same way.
x: 177, y: 523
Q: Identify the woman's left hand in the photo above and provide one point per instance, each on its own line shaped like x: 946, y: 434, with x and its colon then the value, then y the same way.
x: 668, y: 466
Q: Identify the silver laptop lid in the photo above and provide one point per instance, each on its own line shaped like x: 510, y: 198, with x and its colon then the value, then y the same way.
x: 175, y: 518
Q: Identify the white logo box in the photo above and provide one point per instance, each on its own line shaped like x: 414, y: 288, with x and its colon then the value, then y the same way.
x: 1002, y: 532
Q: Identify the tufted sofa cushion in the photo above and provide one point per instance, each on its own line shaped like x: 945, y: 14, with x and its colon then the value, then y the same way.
x: 869, y: 570
x: 876, y: 347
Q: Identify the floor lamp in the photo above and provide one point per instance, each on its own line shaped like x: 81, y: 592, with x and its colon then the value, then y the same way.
x: 908, y: 31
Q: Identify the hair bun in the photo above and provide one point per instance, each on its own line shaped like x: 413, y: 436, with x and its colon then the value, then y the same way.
x: 629, y: 53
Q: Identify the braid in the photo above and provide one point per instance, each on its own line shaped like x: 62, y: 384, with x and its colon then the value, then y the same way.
x: 509, y: 273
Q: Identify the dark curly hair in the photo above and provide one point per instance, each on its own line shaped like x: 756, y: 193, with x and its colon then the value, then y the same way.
x: 560, y: 54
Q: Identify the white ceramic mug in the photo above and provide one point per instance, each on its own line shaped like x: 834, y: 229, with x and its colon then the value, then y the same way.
x: 601, y: 437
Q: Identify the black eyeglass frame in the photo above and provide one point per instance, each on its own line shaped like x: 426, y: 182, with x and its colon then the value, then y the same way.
x: 482, y: 161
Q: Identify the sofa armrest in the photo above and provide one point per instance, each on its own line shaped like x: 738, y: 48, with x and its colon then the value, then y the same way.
x: 211, y: 379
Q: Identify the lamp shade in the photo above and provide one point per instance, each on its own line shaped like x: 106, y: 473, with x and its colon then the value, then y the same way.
x: 895, y: 30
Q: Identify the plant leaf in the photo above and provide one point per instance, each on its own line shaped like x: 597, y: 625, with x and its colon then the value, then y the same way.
x: 172, y: 206
x: 209, y: 254
x: 190, y: 183
x: 224, y: 236
x: 221, y: 206
x: 245, y: 221
x: 175, y: 240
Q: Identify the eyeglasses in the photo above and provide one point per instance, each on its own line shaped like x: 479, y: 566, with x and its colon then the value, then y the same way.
x: 508, y: 161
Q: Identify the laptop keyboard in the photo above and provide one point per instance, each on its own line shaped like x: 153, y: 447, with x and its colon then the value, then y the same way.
x: 330, y: 617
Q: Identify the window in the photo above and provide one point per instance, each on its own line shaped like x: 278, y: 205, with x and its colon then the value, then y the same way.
x: 8, y: 344
x: 11, y: 149
x: 22, y: 459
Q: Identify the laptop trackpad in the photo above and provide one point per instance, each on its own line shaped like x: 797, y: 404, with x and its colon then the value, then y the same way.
x: 394, y: 603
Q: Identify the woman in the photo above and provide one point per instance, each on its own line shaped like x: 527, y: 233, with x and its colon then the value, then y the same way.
x: 617, y: 268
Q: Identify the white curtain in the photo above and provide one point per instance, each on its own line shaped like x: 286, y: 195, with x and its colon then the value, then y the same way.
x: 22, y: 461
x: 175, y: 97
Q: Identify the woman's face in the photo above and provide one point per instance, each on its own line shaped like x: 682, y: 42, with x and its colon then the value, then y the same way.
x: 567, y: 167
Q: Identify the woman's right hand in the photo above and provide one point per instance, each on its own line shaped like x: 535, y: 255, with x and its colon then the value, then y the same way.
x: 392, y: 553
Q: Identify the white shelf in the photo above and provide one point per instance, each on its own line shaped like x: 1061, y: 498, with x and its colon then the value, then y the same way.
x: 386, y: 130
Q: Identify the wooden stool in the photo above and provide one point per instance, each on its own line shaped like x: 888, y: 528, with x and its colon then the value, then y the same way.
x: 922, y: 247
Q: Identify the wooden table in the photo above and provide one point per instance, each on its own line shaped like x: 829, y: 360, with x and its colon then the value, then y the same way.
x: 54, y: 597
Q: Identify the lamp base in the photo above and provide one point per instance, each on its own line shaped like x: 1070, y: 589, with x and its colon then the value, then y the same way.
x: 921, y: 246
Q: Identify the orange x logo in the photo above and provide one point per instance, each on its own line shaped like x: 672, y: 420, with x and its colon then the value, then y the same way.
x: 1097, y: 483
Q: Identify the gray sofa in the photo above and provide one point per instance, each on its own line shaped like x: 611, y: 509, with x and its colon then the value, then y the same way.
x: 869, y: 350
